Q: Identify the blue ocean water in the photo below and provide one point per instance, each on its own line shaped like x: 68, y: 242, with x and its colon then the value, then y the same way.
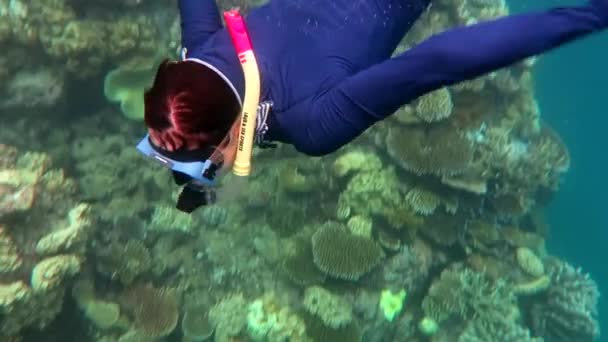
x: 571, y: 85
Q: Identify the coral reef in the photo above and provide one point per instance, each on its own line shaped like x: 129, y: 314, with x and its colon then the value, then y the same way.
x: 43, y: 229
x: 426, y: 227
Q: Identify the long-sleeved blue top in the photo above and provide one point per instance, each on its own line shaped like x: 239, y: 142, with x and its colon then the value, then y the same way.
x: 327, y: 66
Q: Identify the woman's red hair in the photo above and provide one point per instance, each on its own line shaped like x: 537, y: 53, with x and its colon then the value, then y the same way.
x: 189, y: 106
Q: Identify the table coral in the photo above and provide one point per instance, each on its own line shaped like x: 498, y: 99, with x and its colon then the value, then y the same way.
x: 343, y: 255
x: 155, y: 310
x: 437, y: 150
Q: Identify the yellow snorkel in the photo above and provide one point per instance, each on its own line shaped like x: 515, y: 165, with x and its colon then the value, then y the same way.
x: 242, y: 43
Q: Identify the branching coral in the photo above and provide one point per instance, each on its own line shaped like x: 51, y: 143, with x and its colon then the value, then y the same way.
x: 343, y: 255
x: 465, y: 294
x: 519, y: 168
x: 567, y: 310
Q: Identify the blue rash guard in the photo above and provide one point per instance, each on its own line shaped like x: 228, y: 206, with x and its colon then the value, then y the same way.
x: 327, y: 67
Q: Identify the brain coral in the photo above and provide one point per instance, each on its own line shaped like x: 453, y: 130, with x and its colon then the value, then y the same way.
x: 343, y: 255
x: 439, y: 149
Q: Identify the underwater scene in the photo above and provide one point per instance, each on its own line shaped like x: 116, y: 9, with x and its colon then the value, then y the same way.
x: 475, y: 213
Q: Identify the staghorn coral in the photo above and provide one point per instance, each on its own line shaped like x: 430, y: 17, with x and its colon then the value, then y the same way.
x: 343, y: 255
x: 519, y: 168
x: 333, y: 310
x: 567, y: 310
x: 43, y: 230
x: 437, y: 150
x: 466, y: 294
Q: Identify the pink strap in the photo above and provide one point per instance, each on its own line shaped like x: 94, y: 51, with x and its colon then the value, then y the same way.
x: 238, y: 31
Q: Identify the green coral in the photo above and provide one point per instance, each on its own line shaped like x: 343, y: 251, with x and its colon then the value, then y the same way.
x: 391, y: 303
x: 126, y: 85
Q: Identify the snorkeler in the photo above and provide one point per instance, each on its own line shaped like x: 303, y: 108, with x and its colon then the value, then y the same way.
x: 326, y: 74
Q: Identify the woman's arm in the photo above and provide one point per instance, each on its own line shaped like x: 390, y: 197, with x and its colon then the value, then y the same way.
x: 199, y: 20
x: 338, y: 116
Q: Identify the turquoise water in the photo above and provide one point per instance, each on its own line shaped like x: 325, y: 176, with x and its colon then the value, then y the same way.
x: 572, y: 91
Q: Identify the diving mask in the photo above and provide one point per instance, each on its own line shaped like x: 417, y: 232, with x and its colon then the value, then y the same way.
x: 195, y: 170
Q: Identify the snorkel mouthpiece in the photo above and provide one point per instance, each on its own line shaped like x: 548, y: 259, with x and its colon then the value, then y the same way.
x: 198, y: 177
x: 192, y: 198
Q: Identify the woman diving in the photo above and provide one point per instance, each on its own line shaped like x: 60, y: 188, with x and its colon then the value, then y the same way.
x: 326, y: 76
